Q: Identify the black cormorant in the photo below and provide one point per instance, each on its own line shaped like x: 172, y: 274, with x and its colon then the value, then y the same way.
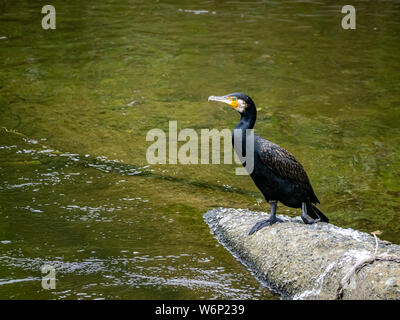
x: 276, y: 172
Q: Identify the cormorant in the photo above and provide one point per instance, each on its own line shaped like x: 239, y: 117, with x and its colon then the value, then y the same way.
x: 276, y: 172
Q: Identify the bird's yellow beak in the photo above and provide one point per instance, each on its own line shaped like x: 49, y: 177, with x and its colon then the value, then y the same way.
x: 231, y: 100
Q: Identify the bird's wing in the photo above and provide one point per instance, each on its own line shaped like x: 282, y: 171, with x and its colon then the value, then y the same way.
x: 283, y: 164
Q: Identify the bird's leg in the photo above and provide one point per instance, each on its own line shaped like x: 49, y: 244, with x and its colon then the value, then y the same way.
x: 304, y: 216
x: 273, y: 218
x: 268, y: 222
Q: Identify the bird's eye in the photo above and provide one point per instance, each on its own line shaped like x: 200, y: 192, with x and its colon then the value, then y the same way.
x: 234, y: 98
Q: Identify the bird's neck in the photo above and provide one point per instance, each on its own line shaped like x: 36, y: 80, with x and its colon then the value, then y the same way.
x: 247, y: 121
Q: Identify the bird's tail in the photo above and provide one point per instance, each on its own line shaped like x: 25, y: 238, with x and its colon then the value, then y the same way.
x: 315, y: 213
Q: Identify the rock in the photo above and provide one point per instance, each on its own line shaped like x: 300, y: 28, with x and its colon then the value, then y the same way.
x: 319, y: 261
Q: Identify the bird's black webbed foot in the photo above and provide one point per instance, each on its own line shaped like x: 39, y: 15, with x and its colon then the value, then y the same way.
x: 264, y: 223
x: 307, y: 220
x: 304, y: 216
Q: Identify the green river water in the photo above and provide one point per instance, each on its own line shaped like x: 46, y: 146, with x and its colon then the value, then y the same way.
x: 76, y: 103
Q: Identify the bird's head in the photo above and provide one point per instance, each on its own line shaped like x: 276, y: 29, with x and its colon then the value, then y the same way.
x: 239, y: 101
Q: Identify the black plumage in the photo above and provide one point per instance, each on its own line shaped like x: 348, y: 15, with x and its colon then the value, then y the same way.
x: 276, y: 172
